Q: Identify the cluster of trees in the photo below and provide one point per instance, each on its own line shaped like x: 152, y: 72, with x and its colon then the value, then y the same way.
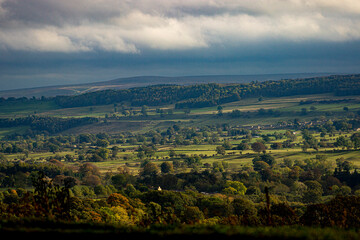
x: 49, y: 125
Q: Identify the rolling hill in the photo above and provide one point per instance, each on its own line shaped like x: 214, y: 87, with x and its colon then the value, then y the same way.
x: 141, y: 81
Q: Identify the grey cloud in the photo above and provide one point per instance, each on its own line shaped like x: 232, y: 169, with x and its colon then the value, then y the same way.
x: 131, y: 26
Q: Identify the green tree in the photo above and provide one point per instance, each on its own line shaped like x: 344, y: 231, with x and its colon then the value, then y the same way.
x: 267, y: 158
x: 172, y: 153
x: 242, y: 146
x: 150, y: 169
x: 166, y: 167
x: 103, y: 153
x: 192, y: 214
x: 258, y: 147
x: 102, y: 143
x: 245, y: 209
x: 355, y: 138
x: 234, y: 187
x: 341, y: 142
x: 220, y: 110
x: 220, y: 150
x: 313, y: 193
x: 227, y: 145
x: 144, y: 110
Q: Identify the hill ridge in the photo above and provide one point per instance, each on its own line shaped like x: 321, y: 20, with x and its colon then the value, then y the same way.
x: 139, y: 81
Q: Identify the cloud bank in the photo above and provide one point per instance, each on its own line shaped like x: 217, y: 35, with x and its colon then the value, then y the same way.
x: 134, y: 26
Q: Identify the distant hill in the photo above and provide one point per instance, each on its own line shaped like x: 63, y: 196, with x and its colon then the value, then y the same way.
x: 141, y: 81
x: 212, y: 94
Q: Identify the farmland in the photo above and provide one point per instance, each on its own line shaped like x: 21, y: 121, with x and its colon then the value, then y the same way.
x: 230, y: 163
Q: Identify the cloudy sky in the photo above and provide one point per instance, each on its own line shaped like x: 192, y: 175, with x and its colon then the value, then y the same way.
x: 47, y: 42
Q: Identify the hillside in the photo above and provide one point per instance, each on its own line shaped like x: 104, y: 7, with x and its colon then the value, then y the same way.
x: 213, y: 94
x: 266, y: 102
x: 141, y: 81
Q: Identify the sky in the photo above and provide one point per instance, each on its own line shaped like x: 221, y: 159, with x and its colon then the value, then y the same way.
x: 52, y: 42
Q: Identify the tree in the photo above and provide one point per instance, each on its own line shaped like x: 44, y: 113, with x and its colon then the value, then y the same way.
x: 119, y: 180
x: 144, y: 110
x: 313, y: 193
x: 260, y: 166
x: 92, y: 180
x: 342, y: 142
x: 150, y: 169
x: 267, y: 158
x: 88, y: 169
x: 220, y: 110
x: 140, y: 154
x: 166, y: 167
x: 220, y: 150
x: 276, y: 145
x: 192, y: 214
x: 245, y: 208
x: 220, y: 166
x: 242, y: 146
x: 355, y: 138
x: 344, y: 165
x: 172, y: 153
x: 50, y: 200
x: 102, y: 143
x: 227, y: 145
x: 193, y: 160
x: 234, y: 187
x: 115, y: 150
x: 103, y: 153
x: 258, y: 147
x: 309, y: 140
